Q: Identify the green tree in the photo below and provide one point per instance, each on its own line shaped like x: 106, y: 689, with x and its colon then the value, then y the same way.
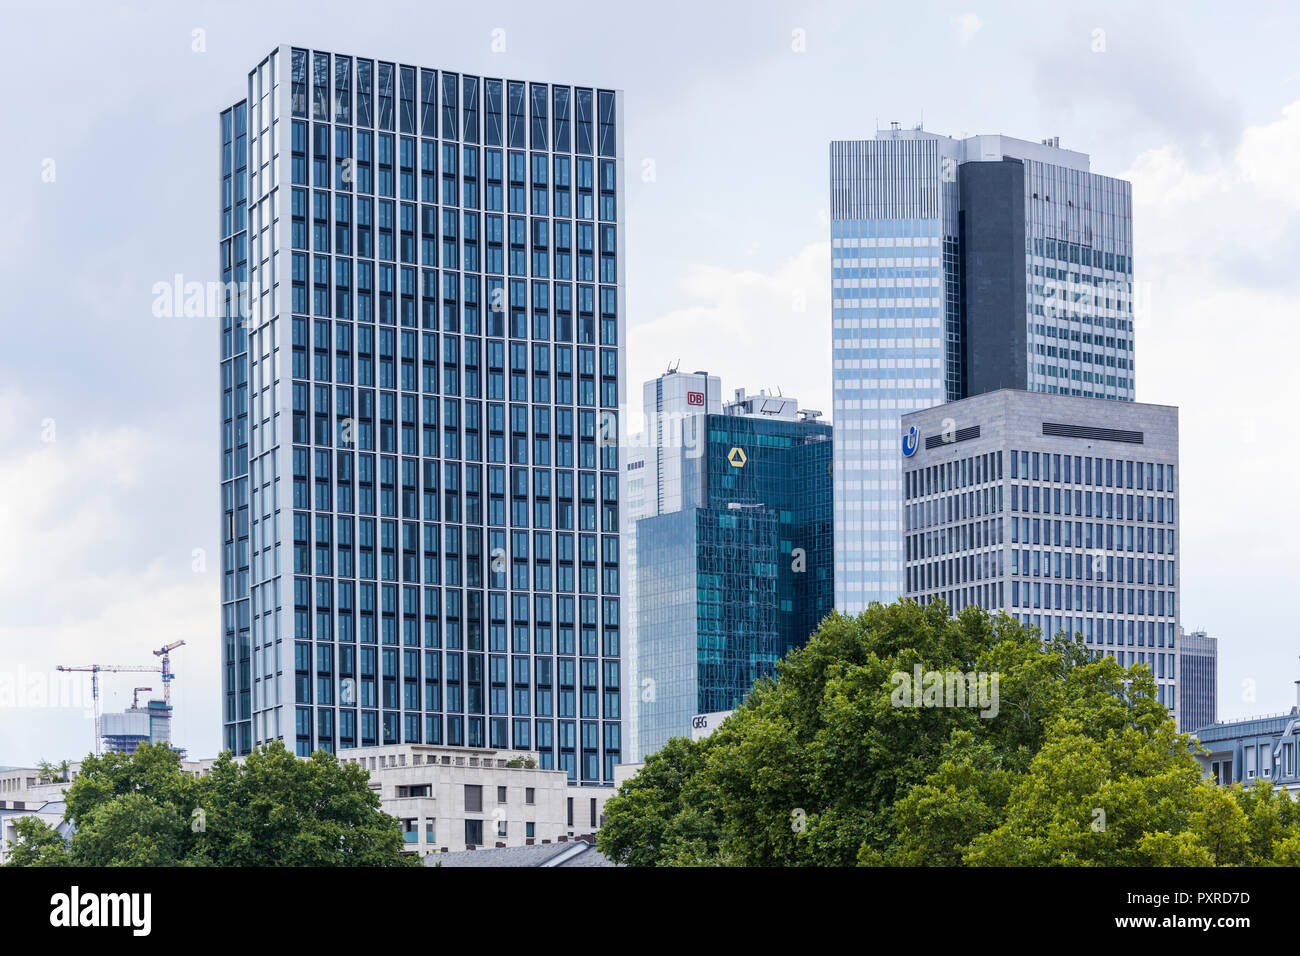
x: 1080, y: 765
x: 270, y: 809
x: 38, y: 844
x: 661, y: 815
x: 277, y: 810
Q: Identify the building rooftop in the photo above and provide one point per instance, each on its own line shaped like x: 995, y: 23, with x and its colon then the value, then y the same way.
x: 577, y: 853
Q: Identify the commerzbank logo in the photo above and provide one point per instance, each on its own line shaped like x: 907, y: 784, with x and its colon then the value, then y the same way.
x: 911, y: 438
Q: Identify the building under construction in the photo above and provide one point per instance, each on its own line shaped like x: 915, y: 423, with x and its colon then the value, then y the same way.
x: 123, y: 733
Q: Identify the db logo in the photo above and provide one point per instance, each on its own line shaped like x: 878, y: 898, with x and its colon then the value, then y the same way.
x: 694, y: 398
x: 698, y: 723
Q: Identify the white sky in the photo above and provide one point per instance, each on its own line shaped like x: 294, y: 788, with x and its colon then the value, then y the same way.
x: 1197, y: 104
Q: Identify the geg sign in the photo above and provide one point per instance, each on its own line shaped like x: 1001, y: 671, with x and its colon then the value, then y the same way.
x: 704, y: 724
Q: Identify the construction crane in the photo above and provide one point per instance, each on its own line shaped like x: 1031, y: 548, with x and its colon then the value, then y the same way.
x: 95, y: 670
x: 135, y: 697
x: 167, y: 675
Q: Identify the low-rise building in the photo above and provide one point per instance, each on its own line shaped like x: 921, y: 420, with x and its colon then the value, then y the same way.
x: 456, y: 798
x: 1257, y: 748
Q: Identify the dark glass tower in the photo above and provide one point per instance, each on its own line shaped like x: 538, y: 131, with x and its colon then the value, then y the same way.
x: 727, y: 587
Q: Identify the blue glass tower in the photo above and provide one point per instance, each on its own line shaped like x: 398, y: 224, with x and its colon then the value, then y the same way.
x: 422, y: 349
x: 742, y: 572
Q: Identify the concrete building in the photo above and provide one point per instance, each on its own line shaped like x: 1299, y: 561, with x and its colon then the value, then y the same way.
x: 960, y: 266
x: 1258, y: 748
x: 421, y: 367
x: 453, y: 798
x: 1060, y: 510
x: 123, y: 732
x: 1198, y: 680
x: 734, y: 554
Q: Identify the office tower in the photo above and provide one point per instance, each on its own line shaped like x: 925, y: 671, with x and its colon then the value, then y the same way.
x: 669, y: 444
x: 1198, y: 676
x: 960, y: 267
x: 735, y: 568
x: 1060, y: 510
x: 419, y: 497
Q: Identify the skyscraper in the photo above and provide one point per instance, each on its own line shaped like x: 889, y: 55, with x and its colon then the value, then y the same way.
x: 1198, y: 681
x: 660, y: 465
x: 960, y: 267
x: 421, y: 357
x: 734, y: 558
x: 1060, y: 510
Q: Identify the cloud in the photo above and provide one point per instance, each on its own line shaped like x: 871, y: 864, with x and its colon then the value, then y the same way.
x: 1214, y: 248
x: 968, y: 24
x: 754, y: 329
x: 1137, y: 75
x: 93, y: 572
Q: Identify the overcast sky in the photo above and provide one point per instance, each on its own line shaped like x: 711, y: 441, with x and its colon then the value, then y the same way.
x: 109, y: 184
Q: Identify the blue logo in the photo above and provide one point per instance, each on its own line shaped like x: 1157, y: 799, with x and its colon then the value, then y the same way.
x: 910, y: 441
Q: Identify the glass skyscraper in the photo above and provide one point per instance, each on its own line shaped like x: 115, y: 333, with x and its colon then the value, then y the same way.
x: 735, y: 567
x: 422, y: 365
x: 960, y: 267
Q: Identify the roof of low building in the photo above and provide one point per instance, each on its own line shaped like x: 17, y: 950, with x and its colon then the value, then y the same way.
x: 577, y: 853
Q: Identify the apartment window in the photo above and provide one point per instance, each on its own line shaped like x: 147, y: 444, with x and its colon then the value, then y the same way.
x: 570, y: 811
x: 530, y: 795
x: 430, y: 831
x: 473, y: 832
x: 530, y: 830
x: 473, y: 799
x: 501, y: 828
x: 593, y: 812
x: 501, y: 794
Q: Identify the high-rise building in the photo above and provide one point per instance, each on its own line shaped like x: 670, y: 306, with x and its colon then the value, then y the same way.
x: 661, y: 462
x: 960, y: 267
x: 421, y: 364
x: 1198, y: 678
x: 1060, y: 510
x: 735, y: 562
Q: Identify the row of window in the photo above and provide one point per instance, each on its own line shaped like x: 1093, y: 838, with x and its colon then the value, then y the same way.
x: 432, y: 103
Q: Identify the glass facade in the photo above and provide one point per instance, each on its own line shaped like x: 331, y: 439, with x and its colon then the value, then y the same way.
x: 914, y: 241
x: 728, y: 588
x: 420, y: 508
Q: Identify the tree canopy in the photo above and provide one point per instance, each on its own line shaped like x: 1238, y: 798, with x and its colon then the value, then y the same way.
x: 1081, y: 765
x: 270, y: 809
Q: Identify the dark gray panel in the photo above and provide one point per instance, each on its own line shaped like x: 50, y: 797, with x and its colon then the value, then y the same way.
x: 992, y: 218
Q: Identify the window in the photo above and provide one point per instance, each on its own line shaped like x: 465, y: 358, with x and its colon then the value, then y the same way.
x: 473, y: 799
x: 473, y: 832
x: 530, y: 830
x: 570, y: 811
x: 593, y: 812
x: 530, y: 796
x: 501, y: 794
